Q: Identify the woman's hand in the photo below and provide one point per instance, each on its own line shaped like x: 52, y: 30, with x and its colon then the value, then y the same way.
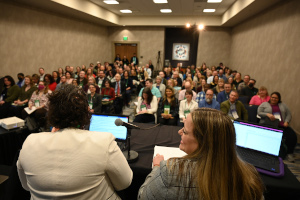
x: 92, y: 111
x: 271, y: 117
x: 142, y: 111
x: 285, y: 124
x: 157, y: 159
x: 2, y: 102
x: 30, y: 106
x: 183, y: 119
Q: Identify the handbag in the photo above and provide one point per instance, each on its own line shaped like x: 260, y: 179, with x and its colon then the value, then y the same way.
x: 31, y: 124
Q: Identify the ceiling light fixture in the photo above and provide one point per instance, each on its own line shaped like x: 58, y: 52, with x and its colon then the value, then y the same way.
x: 126, y: 11
x: 214, y: 1
x: 165, y: 10
x: 188, y: 25
x: 201, y: 27
x: 111, y: 2
x: 209, y: 10
x: 160, y: 1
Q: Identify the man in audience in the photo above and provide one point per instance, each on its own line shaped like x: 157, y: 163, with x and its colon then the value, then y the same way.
x: 148, y: 70
x: 209, y: 101
x: 176, y: 76
x: 21, y: 78
x: 134, y: 59
x: 96, y: 68
x: 120, y: 89
x: 71, y: 70
x: 154, y: 90
x: 67, y: 68
x: 81, y: 80
x: 224, y: 95
x: 222, y: 76
x: 187, y: 86
x: 220, y: 66
x: 201, y: 95
x: 233, y: 73
x: 249, y: 90
x: 163, y: 79
x: 211, y: 78
x: 42, y: 74
x: 121, y: 71
x: 234, y: 108
x: 63, y: 81
x: 100, y: 79
x: 243, y: 84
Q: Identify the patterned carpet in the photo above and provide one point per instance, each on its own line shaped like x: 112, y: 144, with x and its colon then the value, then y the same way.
x: 295, y: 167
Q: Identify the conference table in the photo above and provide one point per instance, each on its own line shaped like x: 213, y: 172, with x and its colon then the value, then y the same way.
x: 144, y: 141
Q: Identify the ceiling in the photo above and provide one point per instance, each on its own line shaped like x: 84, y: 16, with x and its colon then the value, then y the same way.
x: 146, y: 13
x: 178, y: 7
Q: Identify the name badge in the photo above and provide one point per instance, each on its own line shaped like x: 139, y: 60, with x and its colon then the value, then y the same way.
x: 186, y: 112
x: 277, y: 116
x: 143, y: 107
x: 167, y: 109
x: 37, y: 103
x: 91, y: 105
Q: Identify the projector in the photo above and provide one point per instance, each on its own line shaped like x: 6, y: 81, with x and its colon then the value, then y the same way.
x: 11, y: 123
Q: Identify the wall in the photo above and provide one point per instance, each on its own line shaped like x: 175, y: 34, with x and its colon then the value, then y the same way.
x: 268, y: 48
x: 181, y: 35
x: 31, y: 39
x: 214, y: 46
x: 150, y: 39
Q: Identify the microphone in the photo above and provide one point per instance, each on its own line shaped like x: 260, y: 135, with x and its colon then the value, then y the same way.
x: 119, y: 122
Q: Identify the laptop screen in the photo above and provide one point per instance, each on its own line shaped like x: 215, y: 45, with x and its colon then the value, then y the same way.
x: 257, y: 137
x: 106, y: 123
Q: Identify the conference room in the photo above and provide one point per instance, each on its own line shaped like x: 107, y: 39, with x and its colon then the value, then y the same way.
x: 259, y: 38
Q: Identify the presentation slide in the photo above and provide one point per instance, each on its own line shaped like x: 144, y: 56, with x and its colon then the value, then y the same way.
x: 105, y: 123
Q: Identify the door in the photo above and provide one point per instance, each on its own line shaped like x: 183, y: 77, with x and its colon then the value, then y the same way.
x: 125, y: 50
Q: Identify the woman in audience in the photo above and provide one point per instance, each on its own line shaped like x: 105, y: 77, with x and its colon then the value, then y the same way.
x: 210, y: 170
x: 214, y: 83
x: 230, y: 80
x: 83, y: 68
x: 78, y: 69
x: 129, y: 86
x: 197, y: 79
x: 277, y: 114
x: 146, y: 108
x: 69, y: 78
x: 25, y: 94
x: 89, y: 73
x: 159, y: 85
x: 56, y: 77
x: 228, y: 72
x: 39, y: 101
x: 74, y: 82
x: 237, y: 79
x: 133, y: 75
x: 110, y: 75
x: 168, y: 108
x: 220, y: 87
x: 91, y: 80
x: 65, y: 164
x: 108, y: 96
x: 8, y: 95
x: 94, y: 100
x: 50, y: 82
x: 186, y: 106
x: 201, y: 87
x: 213, y: 68
x: 60, y: 71
x: 261, y: 97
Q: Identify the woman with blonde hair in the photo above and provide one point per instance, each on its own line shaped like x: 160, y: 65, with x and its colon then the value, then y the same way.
x: 261, y: 97
x: 220, y: 87
x: 210, y: 170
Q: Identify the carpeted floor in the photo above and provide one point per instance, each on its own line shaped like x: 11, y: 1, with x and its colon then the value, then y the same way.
x: 295, y: 167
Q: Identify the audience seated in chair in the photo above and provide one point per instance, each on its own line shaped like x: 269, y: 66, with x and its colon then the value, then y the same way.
x: 94, y: 100
x: 209, y: 101
x: 108, y: 97
x: 186, y: 106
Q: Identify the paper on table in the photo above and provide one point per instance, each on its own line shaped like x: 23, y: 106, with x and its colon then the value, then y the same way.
x: 33, y: 108
x: 168, y: 152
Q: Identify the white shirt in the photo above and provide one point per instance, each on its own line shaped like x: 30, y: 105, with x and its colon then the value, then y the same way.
x: 73, y: 164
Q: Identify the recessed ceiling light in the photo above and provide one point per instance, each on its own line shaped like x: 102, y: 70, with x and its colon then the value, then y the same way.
x: 165, y: 10
x: 111, y: 2
x: 160, y: 1
x: 126, y: 11
x: 188, y: 25
x: 209, y: 10
x: 201, y: 27
x: 214, y: 1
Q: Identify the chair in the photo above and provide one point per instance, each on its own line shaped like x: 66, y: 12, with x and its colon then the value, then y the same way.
x: 244, y: 99
x: 252, y: 113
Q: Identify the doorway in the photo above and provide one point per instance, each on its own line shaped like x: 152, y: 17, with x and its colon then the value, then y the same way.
x: 126, y: 49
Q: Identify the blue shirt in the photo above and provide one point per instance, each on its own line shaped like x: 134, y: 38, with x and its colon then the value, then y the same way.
x: 214, y: 104
x: 201, y: 96
x: 154, y: 91
x: 222, y: 96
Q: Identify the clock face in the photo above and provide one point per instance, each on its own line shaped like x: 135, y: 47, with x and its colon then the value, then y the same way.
x: 181, y: 51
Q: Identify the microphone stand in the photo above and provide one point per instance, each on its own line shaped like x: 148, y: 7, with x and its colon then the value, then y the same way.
x: 130, y: 155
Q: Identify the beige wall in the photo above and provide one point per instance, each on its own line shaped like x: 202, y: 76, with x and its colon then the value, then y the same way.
x: 214, y: 46
x: 31, y: 39
x: 151, y: 40
x: 268, y: 48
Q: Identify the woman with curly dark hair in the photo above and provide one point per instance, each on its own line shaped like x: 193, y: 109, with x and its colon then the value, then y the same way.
x: 69, y: 162
x: 50, y: 82
x: 168, y: 108
x: 146, y: 108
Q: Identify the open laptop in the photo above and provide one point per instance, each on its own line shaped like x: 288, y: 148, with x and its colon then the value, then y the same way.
x: 106, y: 123
x: 258, y: 145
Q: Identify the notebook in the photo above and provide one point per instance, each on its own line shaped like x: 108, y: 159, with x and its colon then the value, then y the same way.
x: 259, y: 145
x: 106, y: 123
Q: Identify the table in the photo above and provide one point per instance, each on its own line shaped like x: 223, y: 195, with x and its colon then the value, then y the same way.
x: 143, y: 141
